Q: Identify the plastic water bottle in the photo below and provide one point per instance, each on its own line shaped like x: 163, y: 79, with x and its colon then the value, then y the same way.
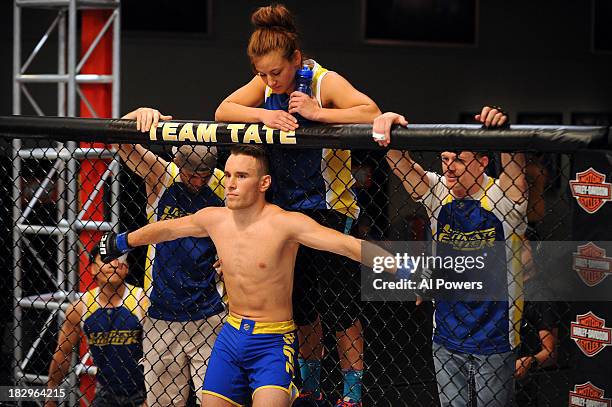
x: 303, y: 82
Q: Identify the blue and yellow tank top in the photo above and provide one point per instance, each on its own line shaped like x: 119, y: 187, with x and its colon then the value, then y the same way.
x: 114, y: 336
x: 475, y: 224
x: 304, y: 179
x: 179, y: 278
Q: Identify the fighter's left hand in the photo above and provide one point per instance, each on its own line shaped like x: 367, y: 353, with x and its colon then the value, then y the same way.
x: 218, y: 267
x: 305, y: 105
x: 492, y: 117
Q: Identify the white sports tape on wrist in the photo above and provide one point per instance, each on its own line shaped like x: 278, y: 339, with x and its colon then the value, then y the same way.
x: 378, y: 136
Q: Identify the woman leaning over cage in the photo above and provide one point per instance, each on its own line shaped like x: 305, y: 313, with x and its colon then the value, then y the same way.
x: 317, y: 182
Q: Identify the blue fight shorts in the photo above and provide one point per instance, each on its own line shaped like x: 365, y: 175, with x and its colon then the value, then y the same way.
x: 249, y: 356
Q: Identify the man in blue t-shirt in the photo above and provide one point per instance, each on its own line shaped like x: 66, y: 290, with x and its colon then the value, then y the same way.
x: 185, y: 293
x: 473, y: 341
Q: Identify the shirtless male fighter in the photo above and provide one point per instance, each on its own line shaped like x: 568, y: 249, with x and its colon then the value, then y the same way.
x: 257, y: 242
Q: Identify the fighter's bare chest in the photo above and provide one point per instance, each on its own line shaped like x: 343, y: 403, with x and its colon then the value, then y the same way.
x: 251, y: 243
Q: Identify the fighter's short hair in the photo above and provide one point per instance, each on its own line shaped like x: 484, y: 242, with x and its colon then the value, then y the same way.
x: 257, y: 152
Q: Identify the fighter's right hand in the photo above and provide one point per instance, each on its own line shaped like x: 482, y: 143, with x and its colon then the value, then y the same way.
x: 381, y: 129
x: 417, y: 274
x: 113, y: 245
x: 146, y: 117
x: 279, y: 119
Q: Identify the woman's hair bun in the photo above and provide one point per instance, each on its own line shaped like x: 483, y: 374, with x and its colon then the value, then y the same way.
x: 275, y: 16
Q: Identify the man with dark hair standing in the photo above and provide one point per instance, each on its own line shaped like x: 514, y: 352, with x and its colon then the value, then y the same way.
x: 473, y: 341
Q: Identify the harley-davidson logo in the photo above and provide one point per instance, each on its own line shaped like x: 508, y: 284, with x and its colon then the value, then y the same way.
x: 591, y: 334
x: 591, y: 264
x: 588, y: 395
x: 591, y: 190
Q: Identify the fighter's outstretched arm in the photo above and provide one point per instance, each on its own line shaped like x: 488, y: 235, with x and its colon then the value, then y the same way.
x: 166, y: 230
x: 114, y: 245
x: 306, y: 231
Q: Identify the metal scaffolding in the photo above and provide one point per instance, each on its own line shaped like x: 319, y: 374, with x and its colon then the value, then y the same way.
x: 63, y: 174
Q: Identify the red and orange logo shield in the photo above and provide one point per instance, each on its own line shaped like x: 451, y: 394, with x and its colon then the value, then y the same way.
x: 590, y: 190
x: 591, y: 334
x: 591, y: 264
x: 588, y: 394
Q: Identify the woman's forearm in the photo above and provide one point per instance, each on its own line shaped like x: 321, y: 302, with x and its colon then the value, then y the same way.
x: 234, y: 112
x: 356, y: 114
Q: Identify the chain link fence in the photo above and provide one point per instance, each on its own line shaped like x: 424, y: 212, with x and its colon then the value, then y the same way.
x: 58, y: 199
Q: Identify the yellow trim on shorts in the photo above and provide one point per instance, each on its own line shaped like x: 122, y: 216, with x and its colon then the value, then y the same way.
x: 265, y: 327
x: 292, y: 391
x: 221, y: 396
x: 271, y: 386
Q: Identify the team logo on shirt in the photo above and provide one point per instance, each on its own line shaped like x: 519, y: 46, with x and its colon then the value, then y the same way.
x: 591, y: 264
x: 459, y: 240
x: 591, y: 334
x: 590, y: 190
x: 171, y: 212
x: 114, y: 337
x: 588, y: 394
